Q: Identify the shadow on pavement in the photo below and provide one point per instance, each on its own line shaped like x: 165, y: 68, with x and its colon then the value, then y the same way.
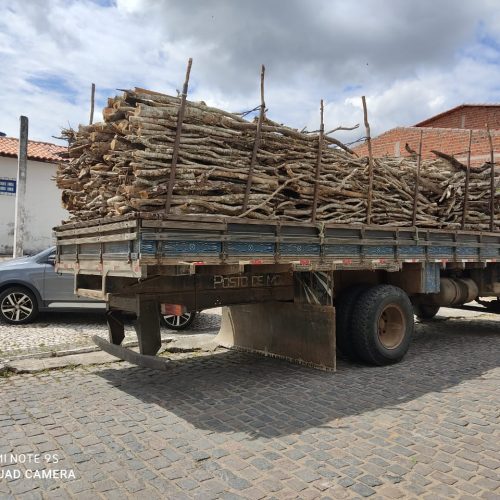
x: 265, y: 397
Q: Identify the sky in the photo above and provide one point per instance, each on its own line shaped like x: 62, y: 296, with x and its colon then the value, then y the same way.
x: 411, y: 59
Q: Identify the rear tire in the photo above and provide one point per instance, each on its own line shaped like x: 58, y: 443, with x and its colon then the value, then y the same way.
x: 18, y: 306
x: 382, y: 325
x: 343, y: 313
x: 425, y: 312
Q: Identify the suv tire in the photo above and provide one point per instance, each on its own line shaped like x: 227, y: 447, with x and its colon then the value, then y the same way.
x: 18, y: 305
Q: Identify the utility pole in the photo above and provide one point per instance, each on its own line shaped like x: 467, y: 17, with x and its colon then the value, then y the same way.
x: 22, y: 167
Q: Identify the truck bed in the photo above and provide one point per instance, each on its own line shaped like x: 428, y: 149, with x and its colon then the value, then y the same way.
x: 142, y: 245
x: 283, y: 282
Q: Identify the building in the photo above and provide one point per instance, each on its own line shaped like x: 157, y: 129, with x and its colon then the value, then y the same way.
x: 447, y: 132
x: 43, y: 208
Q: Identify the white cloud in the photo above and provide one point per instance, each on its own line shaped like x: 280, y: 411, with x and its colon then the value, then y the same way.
x: 401, y: 55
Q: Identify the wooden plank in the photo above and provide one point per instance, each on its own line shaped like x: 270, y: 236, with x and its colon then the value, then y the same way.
x: 204, y: 226
x: 61, y: 233
x: 144, y: 360
x: 97, y: 222
x: 99, y: 239
x: 93, y: 294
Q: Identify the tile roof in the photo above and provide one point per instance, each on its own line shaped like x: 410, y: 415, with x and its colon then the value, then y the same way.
x: 38, y: 151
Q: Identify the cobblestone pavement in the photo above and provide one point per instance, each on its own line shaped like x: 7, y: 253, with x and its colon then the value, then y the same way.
x: 61, y: 331
x: 232, y: 425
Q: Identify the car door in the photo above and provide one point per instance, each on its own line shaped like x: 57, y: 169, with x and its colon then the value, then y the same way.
x: 58, y: 287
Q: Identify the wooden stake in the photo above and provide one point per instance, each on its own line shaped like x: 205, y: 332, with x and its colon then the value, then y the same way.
x: 256, y: 144
x: 22, y: 167
x: 177, y: 141
x: 467, y: 181
x: 417, y: 179
x: 318, y: 163
x: 370, y: 163
x: 92, y: 104
x: 492, y: 181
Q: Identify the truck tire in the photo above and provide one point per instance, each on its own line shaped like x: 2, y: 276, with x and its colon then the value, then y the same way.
x: 18, y: 305
x: 343, y: 314
x: 382, y: 325
x: 425, y: 312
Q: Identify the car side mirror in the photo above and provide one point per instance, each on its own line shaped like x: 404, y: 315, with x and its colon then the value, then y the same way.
x: 51, y: 260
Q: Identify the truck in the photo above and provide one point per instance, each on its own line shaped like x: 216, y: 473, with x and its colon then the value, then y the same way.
x: 294, y: 290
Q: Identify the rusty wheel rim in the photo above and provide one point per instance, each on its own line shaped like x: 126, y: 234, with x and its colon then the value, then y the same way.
x: 391, y: 326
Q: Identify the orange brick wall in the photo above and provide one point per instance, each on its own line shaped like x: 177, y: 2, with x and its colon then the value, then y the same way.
x: 451, y: 141
x: 475, y: 117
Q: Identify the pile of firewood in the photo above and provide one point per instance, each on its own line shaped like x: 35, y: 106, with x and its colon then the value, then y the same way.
x: 123, y: 165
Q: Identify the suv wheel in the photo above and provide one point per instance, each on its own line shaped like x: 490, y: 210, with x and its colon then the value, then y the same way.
x: 18, y: 305
x: 181, y: 322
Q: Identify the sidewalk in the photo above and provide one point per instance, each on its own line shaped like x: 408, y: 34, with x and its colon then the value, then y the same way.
x: 55, y: 332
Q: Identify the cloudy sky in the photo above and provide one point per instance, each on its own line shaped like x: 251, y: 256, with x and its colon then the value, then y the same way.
x: 412, y: 59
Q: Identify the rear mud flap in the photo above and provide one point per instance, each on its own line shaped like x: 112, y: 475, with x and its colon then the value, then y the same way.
x: 302, y: 333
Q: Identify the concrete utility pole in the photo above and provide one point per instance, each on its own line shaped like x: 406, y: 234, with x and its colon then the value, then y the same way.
x: 22, y: 167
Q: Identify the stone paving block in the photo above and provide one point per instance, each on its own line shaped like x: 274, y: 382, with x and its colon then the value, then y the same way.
x: 187, y: 484
x: 389, y: 491
x: 30, y: 495
x: 487, y: 484
x: 362, y: 489
x: 488, y: 495
x: 370, y: 480
x: 237, y: 425
x: 234, y: 481
x: 133, y: 486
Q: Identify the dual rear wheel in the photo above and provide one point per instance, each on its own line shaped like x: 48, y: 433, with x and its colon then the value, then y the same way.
x: 374, y: 323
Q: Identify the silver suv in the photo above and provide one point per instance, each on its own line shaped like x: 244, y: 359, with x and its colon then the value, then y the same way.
x: 29, y: 285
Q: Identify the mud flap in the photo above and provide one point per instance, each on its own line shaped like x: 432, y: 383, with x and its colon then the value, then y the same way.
x: 303, y: 333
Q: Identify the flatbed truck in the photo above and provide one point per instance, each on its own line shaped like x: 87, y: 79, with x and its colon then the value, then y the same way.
x: 293, y: 290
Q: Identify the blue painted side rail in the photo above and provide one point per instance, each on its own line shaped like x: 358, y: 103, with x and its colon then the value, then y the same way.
x: 184, y: 239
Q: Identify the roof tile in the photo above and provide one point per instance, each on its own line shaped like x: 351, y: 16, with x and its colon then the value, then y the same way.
x: 38, y: 151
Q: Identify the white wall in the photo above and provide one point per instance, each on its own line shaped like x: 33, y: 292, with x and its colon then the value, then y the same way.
x: 43, y: 208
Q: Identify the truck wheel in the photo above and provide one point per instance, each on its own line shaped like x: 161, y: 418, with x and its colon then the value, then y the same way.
x: 382, y: 325
x: 18, y: 305
x: 343, y: 314
x: 425, y: 312
x: 181, y: 322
